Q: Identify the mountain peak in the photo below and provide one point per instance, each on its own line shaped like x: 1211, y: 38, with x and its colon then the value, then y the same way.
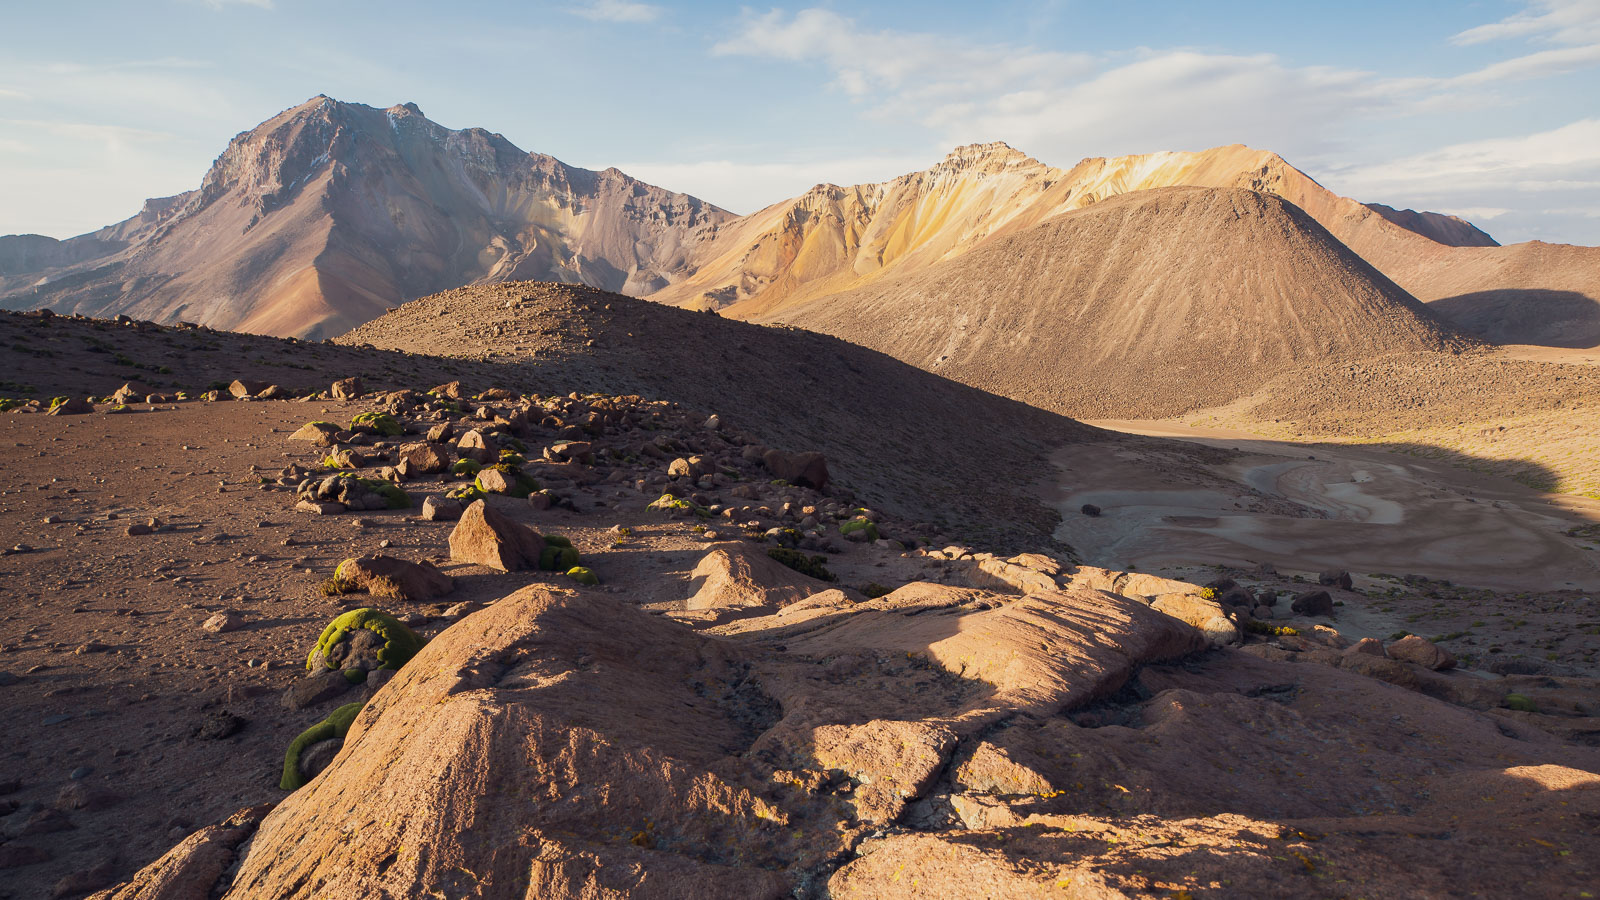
x: 991, y: 153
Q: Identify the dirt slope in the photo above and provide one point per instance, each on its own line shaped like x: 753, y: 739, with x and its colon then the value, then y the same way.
x: 319, y: 218
x: 1158, y: 301
x: 894, y: 433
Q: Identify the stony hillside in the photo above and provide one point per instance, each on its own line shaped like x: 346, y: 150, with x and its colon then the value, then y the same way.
x: 322, y: 216
x: 1144, y: 305
x: 682, y: 714
x: 925, y: 446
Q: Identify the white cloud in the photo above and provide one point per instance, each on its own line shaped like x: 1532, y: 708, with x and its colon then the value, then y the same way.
x: 1514, y: 178
x: 1476, y: 213
x: 618, y: 11
x: 914, y: 67
x: 1561, y: 21
x: 1063, y: 106
x: 1559, y: 155
x: 1533, y: 65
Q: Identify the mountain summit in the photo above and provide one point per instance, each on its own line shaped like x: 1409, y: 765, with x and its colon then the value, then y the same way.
x: 324, y: 215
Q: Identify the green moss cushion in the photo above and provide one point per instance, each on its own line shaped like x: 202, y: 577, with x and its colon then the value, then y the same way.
x: 336, y: 725
x: 384, y: 423
x: 399, y: 642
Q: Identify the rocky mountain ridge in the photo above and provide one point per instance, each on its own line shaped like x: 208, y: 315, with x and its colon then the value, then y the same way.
x: 326, y: 214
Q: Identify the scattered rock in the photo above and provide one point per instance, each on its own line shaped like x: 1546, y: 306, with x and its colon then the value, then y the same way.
x: 318, y: 686
x: 346, y: 389
x: 241, y: 389
x: 1423, y: 652
x: 224, y: 621
x: 14, y: 855
x: 1336, y: 578
x: 388, y: 576
x: 82, y: 881
x: 490, y: 538
x: 441, y: 509
x: 1089, y: 509
x: 424, y: 459
x: 323, y: 434
x: 735, y: 575
x: 1367, y: 646
x: 218, y: 725
x: 1313, y: 603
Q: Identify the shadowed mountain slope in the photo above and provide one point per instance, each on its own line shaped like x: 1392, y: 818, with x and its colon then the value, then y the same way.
x: 918, y: 444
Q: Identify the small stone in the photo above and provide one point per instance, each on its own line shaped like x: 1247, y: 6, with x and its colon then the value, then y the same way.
x: 218, y: 725
x: 81, y: 773
x: 223, y: 622
x: 1090, y: 510
x: 346, y: 389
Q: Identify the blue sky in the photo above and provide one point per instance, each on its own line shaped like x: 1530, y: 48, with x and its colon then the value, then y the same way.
x: 1487, y: 109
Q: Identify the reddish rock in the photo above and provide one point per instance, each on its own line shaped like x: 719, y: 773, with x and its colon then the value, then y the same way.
x: 490, y: 538
x: 1423, y: 652
x: 241, y: 388
x: 424, y: 459
x: 387, y: 576
x: 346, y: 389
x: 741, y: 575
x: 1367, y: 646
x: 477, y: 446
x: 323, y: 434
x: 194, y: 868
x: 1313, y: 603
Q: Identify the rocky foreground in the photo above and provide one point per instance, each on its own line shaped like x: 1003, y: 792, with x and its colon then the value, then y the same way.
x: 616, y: 647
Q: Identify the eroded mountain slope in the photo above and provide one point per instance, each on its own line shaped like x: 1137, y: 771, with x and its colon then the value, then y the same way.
x: 1146, y: 304
x: 323, y: 216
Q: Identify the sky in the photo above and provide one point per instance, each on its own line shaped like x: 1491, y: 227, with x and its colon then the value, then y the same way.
x: 1489, y: 110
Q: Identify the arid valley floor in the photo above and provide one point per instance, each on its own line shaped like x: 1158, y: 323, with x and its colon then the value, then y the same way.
x: 1147, y: 659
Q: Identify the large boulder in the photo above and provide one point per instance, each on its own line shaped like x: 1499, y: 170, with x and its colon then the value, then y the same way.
x: 488, y: 537
x: 807, y: 469
x: 1201, y: 612
x: 424, y: 458
x: 528, y: 751
x: 346, y: 389
x: 1423, y: 652
x: 388, y: 576
x: 323, y: 434
x: 192, y: 869
x: 1003, y: 575
x: 242, y: 388
x: 744, y: 575
x: 477, y: 446
x: 1313, y: 603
